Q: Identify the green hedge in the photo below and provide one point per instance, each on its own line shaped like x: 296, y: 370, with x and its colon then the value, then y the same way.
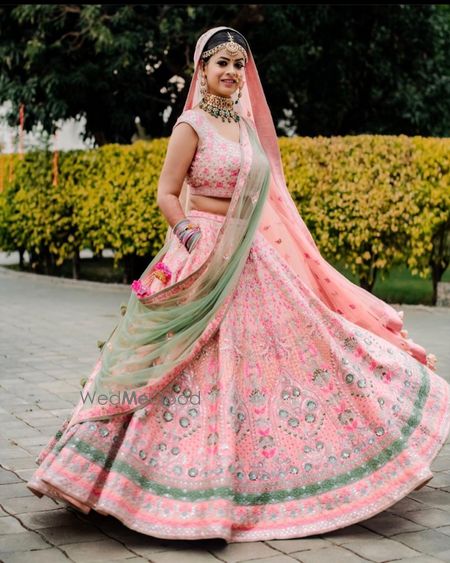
x: 371, y: 200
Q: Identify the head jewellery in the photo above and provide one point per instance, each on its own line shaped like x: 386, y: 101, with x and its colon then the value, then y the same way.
x: 230, y: 46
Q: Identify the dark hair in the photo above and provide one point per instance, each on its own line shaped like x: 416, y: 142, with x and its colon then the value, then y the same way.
x: 222, y: 37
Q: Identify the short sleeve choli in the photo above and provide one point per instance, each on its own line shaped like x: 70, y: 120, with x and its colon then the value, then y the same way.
x: 216, y: 163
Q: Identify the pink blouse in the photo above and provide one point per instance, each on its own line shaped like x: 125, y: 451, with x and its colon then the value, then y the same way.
x: 215, y: 166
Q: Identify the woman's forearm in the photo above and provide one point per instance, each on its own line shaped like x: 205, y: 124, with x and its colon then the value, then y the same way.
x: 171, y: 209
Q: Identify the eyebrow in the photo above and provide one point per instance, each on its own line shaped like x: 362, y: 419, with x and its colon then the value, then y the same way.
x: 236, y: 60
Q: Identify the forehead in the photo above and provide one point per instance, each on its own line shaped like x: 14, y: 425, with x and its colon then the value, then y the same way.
x: 223, y: 53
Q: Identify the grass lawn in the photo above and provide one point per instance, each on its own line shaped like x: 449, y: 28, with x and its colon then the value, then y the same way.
x: 399, y: 286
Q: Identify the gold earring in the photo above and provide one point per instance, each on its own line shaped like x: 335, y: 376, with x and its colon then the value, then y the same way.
x: 203, y: 86
x: 241, y: 85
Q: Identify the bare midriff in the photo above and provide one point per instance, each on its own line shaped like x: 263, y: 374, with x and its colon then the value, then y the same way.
x: 210, y: 204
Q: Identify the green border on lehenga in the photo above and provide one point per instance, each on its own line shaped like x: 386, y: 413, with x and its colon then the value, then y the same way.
x: 123, y: 468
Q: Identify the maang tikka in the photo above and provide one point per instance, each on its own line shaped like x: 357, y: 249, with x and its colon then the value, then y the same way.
x: 230, y: 46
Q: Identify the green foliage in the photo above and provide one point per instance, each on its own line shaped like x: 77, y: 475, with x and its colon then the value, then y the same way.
x: 372, y: 201
x: 36, y: 215
x: 348, y: 70
x: 327, y: 70
x: 118, y: 192
x: 105, y: 198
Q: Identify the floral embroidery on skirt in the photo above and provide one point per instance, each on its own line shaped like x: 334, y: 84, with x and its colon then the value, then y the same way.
x: 291, y: 422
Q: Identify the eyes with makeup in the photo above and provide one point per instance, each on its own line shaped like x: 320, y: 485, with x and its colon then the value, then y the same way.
x: 238, y: 65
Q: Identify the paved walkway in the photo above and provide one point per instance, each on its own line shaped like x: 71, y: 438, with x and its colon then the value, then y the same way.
x: 48, y: 334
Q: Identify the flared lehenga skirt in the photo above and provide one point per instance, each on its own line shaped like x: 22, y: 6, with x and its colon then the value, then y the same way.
x: 292, y: 421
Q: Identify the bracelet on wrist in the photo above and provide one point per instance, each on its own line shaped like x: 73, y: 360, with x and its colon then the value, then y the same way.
x: 178, y: 227
x: 193, y: 241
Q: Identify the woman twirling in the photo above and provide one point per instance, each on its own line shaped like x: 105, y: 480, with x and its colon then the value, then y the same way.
x: 250, y: 391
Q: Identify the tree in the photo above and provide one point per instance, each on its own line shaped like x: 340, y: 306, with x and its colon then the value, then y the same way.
x: 327, y: 70
x: 349, y: 69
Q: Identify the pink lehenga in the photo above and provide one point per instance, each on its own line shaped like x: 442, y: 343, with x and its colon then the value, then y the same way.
x: 287, y: 418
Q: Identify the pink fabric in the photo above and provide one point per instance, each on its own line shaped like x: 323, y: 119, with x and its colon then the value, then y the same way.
x: 291, y: 421
x: 295, y: 415
x: 285, y: 230
x: 215, y: 166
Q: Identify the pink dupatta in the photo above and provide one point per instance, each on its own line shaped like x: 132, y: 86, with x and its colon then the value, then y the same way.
x: 261, y: 193
x: 283, y: 227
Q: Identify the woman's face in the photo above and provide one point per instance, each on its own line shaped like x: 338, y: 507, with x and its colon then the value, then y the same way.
x: 221, y: 69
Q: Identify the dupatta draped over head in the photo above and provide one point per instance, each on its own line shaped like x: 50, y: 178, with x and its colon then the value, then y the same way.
x: 161, y: 333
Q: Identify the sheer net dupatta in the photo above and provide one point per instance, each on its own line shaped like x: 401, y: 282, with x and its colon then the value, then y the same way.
x: 283, y: 226
x: 161, y: 333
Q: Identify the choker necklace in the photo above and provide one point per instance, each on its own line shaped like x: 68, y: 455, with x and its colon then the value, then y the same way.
x: 219, y: 106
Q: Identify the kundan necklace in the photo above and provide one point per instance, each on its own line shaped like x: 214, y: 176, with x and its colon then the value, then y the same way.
x: 219, y: 106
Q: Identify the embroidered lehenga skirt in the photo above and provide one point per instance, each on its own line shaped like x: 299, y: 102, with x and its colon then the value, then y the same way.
x: 291, y: 422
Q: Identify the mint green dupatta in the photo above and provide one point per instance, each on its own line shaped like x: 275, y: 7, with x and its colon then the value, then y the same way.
x: 161, y: 333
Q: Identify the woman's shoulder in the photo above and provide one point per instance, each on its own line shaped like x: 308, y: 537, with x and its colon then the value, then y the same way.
x: 193, y: 117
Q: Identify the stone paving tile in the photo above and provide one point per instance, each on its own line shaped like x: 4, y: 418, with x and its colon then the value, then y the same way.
x: 40, y: 388
x: 25, y: 474
x: 51, y: 405
x: 23, y: 541
x: 444, y: 530
x: 61, y: 413
x: 334, y: 554
x: 432, y: 497
x: 19, y: 463
x: 143, y: 545
x: 71, y: 534
x: 441, y: 463
x: 444, y: 555
x: 51, y: 555
x: 50, y: 423
x: 349, y: 534
x: 14, y: 490
x: 13, y: 452
x: 48, y: 519
x: 421, y: 559
x: 301, y: 544
x: 405, y: 505
x: 381, y: 550
x: 28, y: 504
x: 14, y: 433
x: 10, y: 525
x: 276, y: 559
x: 32, y: 415
x: 105, y: 550
x: 188, y: 556
x: 431, y: 517
x: 430, y: 542
x: 246, y: 550
x: 146, y: 546
x: 390, y: 524
x: 181, y: 546
x: 33, y: 451
x: 440, y: 480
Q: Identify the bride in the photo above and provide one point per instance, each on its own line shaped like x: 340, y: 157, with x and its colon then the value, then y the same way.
x: 250, y: 391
